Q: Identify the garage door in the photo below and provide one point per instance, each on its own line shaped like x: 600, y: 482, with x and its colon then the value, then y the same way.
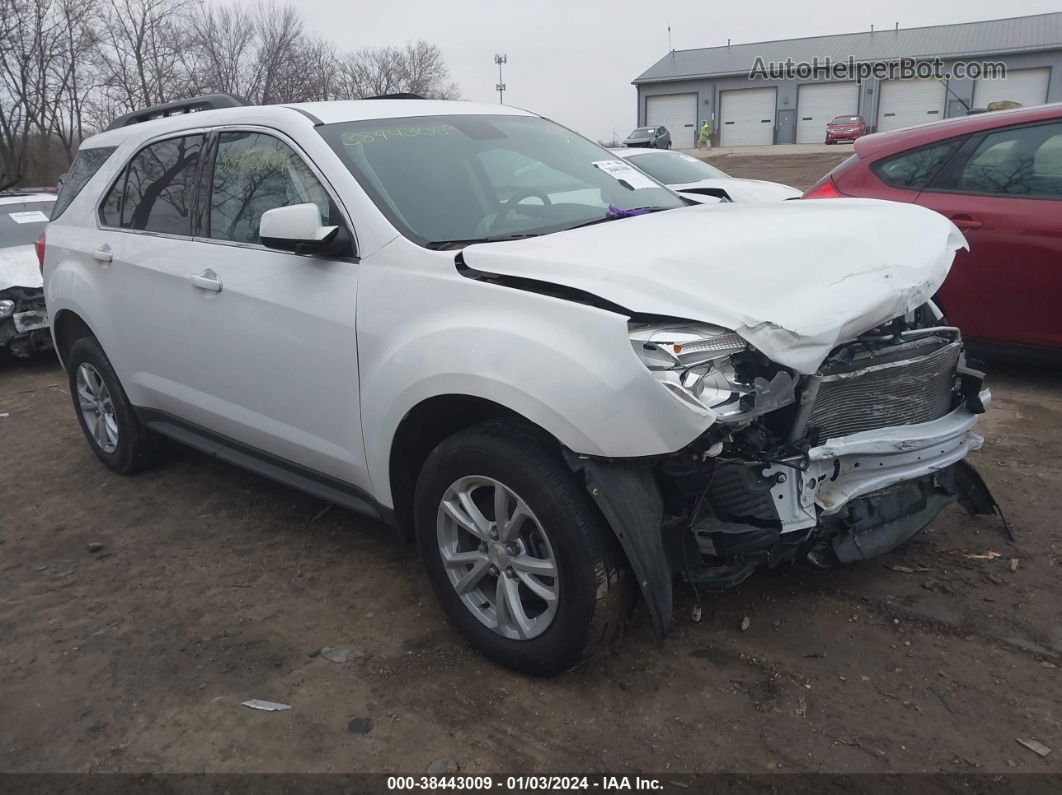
x: 1027, y: 86
x: 905, y: 103
x: 818, y: 103
x: 677, y: 112
x: 746, y: 117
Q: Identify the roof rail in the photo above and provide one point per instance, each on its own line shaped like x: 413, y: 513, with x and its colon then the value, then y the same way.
x: 400, y: 95
x: 205, y: 102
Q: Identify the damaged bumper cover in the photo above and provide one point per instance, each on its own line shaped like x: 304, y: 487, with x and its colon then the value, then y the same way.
x: 848, y: 467
x: 848, y: 498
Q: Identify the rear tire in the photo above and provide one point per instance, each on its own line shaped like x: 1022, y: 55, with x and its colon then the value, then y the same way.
x: 104, y: 412
x: 496, y: 562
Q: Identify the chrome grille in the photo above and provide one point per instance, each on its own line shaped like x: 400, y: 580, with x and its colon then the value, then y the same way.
x: 902, y: 392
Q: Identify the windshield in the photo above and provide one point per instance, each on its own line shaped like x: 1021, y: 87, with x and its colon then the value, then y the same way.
x: 642, y: 131
x: 21, y: 223
x: 467, y: 178
x: 846, y: 120
x: 675, y: 168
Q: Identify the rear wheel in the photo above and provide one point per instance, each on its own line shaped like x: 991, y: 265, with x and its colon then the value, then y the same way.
x: 104, y: 412
x: 521, y: 560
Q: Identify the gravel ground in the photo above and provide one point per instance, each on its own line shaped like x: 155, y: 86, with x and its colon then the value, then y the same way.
x: 137, y: 613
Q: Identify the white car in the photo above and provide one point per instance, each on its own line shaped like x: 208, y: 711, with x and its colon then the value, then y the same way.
x: 475, y: 325
x: 701, y: 181
x: 23, y: 319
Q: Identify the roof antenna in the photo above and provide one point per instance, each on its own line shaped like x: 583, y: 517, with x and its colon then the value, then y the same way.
x: 871, y: 28
x: 728, y: 42
x: 897, y: 26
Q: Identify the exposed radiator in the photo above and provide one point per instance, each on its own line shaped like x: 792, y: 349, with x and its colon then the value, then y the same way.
x: 903, y: 392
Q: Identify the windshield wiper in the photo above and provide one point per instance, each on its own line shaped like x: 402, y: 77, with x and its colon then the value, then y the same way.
x: 620, y: 213
x: 444, y: 245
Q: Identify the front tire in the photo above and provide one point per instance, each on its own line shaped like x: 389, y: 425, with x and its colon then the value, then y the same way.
x: 523, y: 564
x: 104, y: 412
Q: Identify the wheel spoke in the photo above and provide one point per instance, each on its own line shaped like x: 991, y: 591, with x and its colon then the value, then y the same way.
x: 540, y: 567
x: 457, y: 559
x: 463, y: 511
x: 472, y: 577
x: 110, y: 428
x: 501, y: 611
x: 85, y: 397
x: 99, y: 433
x: 509, y: 529
x: 515, y: 608
x: 546, y: 593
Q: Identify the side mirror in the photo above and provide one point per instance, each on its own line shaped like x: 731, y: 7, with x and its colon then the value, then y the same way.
x: 298, y: 228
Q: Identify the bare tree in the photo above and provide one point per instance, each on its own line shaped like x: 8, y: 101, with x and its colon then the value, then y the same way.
x: 67, y: 67
x: 141, y: 51
x: 417, y: 68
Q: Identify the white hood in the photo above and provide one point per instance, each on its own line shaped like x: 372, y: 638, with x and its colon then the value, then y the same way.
x: 794, y: 279
x: 19, y: 267
x: 743, y: 190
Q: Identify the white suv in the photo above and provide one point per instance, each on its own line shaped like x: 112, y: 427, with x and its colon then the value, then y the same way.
x: 477, y: 326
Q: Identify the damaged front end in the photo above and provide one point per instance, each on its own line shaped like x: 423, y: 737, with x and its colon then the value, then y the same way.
x: 24, y: 321
x: 824, y: 469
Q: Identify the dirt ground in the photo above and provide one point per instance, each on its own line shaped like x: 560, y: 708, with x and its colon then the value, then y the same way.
x: 213, y: 586
x: 801, y: 170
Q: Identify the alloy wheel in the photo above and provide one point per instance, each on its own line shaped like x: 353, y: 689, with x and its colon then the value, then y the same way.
x: 97, y: 407
x: 498, y: 557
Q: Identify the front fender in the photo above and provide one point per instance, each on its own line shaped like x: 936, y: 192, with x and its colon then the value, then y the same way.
x: 567, y: 367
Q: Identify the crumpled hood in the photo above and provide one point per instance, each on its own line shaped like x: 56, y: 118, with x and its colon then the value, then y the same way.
x: 744, y: 190
x: 19, y: 267
x: 794, y: 278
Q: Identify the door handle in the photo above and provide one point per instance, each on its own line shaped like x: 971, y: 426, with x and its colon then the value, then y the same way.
x: 103, y: 254
x: 207, y: 280
x: 965, y: 222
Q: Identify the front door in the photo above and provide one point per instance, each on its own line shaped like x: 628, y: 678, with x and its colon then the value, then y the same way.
x: 1004, y: 191
x: 274, y: 332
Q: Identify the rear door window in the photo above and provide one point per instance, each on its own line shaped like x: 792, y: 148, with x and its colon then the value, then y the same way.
x: 156, y: 191
x: 85, y: 165
x: 916, y: 167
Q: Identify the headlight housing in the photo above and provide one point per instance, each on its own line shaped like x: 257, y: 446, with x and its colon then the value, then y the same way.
x: 7, y: 307
x: 709, y: 367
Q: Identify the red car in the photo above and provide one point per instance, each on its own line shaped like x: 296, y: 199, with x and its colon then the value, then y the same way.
x: 998, y: 177
x: 845, y: 128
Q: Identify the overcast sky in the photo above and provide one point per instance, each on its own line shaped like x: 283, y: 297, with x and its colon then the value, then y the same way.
x: 574, y: 60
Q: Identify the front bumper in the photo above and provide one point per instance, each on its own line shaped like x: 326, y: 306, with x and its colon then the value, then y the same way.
x: 26, y: 330
x: 848, y: 467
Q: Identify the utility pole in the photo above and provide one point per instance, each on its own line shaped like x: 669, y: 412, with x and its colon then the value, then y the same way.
x: 500, y: 59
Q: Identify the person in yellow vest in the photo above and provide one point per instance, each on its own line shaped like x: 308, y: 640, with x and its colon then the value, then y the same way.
x: 704, y: 138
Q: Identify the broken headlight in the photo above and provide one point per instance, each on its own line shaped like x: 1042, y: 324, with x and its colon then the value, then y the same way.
x: 708, y: 367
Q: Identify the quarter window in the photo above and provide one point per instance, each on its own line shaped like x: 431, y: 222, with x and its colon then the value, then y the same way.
x: 85, y: 165
x: 253, y: 173
x: 1021, y: 162
x: 916, y: 167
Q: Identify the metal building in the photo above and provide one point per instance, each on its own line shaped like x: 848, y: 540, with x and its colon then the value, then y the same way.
x: 688, y: 86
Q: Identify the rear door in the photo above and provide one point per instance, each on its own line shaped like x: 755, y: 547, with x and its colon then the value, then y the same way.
x: 1004, y: 191
x: 274, y: 339
x: 142, y: 253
